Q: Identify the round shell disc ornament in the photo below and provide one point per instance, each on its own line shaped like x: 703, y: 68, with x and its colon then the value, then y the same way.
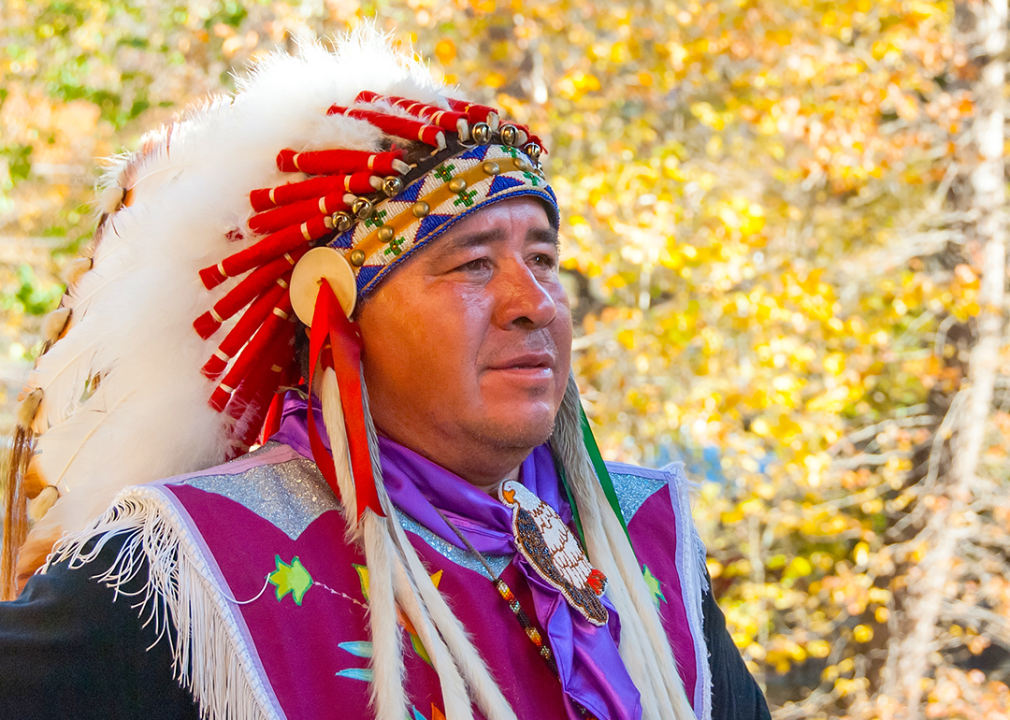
x: 316, y: 266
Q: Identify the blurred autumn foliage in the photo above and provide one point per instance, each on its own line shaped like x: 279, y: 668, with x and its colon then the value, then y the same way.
x: 777, y: 235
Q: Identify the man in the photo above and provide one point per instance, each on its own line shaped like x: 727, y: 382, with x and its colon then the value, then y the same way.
x: 429, y: 530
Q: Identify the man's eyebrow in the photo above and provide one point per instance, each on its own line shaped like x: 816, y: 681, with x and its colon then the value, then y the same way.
x: 546, y: 235
x: 486, y: 237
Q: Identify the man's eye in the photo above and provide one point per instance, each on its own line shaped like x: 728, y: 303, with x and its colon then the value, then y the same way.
x: 474, y: 265
x: 545, y: 260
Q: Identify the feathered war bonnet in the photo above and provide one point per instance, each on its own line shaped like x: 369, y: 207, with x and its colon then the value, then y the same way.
x: 294, y: 199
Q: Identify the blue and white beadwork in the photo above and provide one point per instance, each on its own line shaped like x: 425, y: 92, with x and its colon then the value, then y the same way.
x: 515, y: 176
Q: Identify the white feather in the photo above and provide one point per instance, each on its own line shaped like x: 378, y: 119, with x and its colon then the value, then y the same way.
x: 62, y: 374
x: 388, y: 695
x: 133, y: 311
x: 333, y: 418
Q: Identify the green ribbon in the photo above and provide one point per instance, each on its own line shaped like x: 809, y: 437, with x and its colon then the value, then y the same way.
x: 602, y: 474
x: 571, y: 499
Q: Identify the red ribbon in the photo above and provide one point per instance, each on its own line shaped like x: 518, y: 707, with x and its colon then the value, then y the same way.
x: 330, y: 321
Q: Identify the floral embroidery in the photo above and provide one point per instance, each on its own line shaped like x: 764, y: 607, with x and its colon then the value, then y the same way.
x: 290, y: 578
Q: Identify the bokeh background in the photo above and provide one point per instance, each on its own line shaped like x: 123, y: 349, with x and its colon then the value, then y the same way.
x: 783, y: 236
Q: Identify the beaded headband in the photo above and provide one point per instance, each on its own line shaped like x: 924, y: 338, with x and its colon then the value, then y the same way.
x: 459, y: 184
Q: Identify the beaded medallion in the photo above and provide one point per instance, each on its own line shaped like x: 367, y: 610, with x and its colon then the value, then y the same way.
x: 549, y: 546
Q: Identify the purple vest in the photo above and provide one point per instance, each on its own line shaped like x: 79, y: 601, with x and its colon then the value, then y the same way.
x: 263, y: 536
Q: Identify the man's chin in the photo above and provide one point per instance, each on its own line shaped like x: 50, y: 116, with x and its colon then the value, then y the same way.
x: 518, y: 431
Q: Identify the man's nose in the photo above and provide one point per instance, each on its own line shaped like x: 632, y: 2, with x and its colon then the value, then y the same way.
x: 523, y: 299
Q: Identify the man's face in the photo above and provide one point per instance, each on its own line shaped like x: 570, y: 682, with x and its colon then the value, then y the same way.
x: 467, y: 347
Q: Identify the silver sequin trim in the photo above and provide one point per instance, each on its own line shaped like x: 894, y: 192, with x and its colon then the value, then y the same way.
x: 633, y: 491
x: 452, y: 553
x: 290, y: 495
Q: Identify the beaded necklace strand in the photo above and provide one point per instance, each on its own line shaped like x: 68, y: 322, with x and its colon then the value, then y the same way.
x: 543, y: 647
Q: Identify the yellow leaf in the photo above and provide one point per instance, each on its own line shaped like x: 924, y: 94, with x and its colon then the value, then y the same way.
x: 445, y: 50
x: 861, y: 554
x: 798, y: 567
x: 818, y: 648
x: 761, y: 427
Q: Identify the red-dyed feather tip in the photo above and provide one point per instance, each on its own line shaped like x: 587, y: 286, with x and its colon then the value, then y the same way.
x: 597, y: 581
x: 206, y: 325
x: 212, y: 276
x: 286, y: 159
x: 213, y: 368
x: 261, y: 200
x: 220, y: 398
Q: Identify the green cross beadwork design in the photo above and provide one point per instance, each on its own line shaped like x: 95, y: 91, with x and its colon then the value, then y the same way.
x: 531, y: 178
x: 444, y: 172
x: 514, y: 152
x: 466, y: 198
x: 376, y: 220
x: 395, y: 247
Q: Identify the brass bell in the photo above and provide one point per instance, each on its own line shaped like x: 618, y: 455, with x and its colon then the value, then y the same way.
x: 490, y: 168
x: 509, y: 135
x: 362, y: 208
x: 420, y: 209
x: 342, y: 221
x: 457, y: 185
x: 386, y: 233
x: 481, y: 133
x: 533, y: 150
x: 522, y: 164
x: 392, y: 186
x: 357, y: 258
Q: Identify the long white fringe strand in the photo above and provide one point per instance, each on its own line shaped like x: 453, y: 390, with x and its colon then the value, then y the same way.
x: 655, y: 698
x: 645, y: 605
x: 455, y: 699
x: 655, y: 672
x: 483, y: 688
x: 333, y: 417
x: 388, y: 696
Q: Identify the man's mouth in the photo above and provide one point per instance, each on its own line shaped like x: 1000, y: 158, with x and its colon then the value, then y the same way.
x: 529, y: 362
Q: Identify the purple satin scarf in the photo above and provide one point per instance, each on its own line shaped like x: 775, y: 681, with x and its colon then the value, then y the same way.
x: 592, y: 672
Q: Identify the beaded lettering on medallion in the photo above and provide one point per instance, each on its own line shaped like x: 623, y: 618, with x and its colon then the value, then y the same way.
x: 549, y: 546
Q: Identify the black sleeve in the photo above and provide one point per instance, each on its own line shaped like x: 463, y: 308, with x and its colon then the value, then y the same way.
x: 69, y: 649
x: 735, y: 693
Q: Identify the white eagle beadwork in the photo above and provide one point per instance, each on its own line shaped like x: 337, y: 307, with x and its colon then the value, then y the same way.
x: 549, y: 546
